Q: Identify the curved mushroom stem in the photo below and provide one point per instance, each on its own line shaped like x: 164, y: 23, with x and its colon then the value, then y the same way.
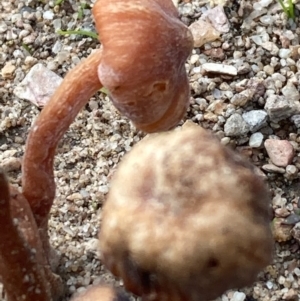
x: 38, y: 180
x: 22, y: 264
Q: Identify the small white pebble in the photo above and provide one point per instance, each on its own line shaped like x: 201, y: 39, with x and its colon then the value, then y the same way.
x: 238, y: 296
x: 291, y: 169
x: 269, y: 284
x: 284, y: 53
x: 256, y: 140
x: 48, y: 15
x: 194, y: 58
x: 281, y: 280
x: 225, y: 140
x: 297, y: 272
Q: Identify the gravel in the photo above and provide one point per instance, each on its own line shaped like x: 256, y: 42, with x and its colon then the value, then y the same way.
x: 244, y: 88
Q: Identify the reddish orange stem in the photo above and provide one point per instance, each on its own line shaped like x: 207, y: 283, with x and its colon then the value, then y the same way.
x: 21, y: 263
x: 38, y: 179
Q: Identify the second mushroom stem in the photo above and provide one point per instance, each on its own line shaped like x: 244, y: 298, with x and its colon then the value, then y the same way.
x: 21, y: 262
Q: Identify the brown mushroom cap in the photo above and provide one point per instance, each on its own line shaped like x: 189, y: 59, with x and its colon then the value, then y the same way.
x: 186, y: 218
x: 145, y: 47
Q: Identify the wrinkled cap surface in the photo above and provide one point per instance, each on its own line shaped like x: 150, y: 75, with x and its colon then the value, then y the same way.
x: 186, y: 218
x: 145, y: 47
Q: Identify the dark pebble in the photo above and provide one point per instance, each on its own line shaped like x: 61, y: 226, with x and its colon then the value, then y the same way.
x: 292, y: 219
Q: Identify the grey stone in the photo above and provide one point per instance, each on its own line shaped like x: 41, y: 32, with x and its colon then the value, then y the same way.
x: 271, y: 47
x: 267, y: 19
x: 268, y: 69
x: 257, y: 39
x: 253, y: 15
x: 242, y: 98
x: 291, y: 170
x: 238, y: 296
x: 38, y: 85
x: 236, y: 126
x: 296, y: 232
x: 290, y: 92
x: 284, y: 53
x: 267, y: 130
x: 296, y: 120
x: 257, y: 87
x: 217, y: 18
x: 187, y: 9
x: 256, y: 119
x: 256, y: 140
x: 292, y: 219
x: 273, y: 168
x: 244, y: 69
x: 57, y: 24
x: 260, y: 4
x: 57, y: 47
x: 3, y: 27
x: 279, y: 107
x: 219, y: 69
x: 278, y: 76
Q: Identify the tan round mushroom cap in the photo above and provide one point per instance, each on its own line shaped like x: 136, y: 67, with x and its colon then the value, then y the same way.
x: 186, y: 218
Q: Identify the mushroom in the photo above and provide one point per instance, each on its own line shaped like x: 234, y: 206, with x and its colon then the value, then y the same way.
x: 145, y: 76
x: 147, y: 68
x: 186, y: 218
x: 143, y: 61
x: 24, y: 270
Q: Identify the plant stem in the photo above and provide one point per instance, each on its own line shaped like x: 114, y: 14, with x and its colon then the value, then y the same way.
x: 284, y: 8
x: 291, y: 8
x: 79, y: 32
